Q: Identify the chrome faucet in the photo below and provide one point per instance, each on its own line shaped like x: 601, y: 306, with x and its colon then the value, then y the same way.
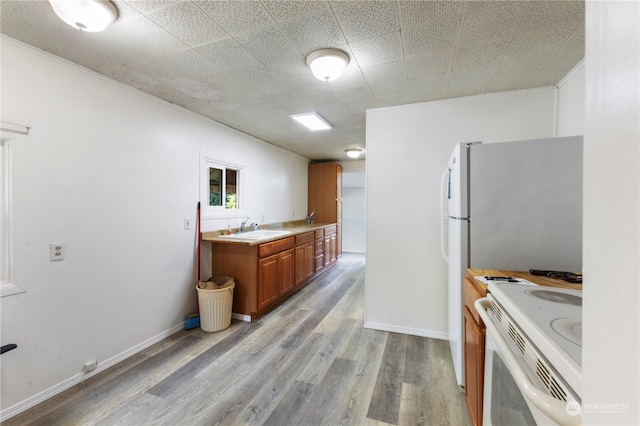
x: 244, y: 222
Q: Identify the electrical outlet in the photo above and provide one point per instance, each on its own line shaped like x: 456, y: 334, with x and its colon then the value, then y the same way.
x: 293, y: 214
x: 262, y: 218
x: 56, y: 251
x: 90, y: 366
x: 187, y: 223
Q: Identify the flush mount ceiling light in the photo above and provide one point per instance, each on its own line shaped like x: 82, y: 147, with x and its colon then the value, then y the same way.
x: 327, y: 64
x: 85, y: 15
x: 353, y: 152
x: 311, y: 121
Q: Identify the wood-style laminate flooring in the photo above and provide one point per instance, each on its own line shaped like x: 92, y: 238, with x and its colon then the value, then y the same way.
x: 308, y: 362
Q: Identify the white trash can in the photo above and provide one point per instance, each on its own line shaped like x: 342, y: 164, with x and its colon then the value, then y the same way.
x: 215, y: 304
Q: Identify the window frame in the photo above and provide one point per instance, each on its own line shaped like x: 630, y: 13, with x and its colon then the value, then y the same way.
x: 221, y: 212
x: 7, y: 286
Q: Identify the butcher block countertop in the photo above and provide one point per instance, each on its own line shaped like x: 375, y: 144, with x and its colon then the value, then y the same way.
x: 294, y: 228
x: 540, y: 280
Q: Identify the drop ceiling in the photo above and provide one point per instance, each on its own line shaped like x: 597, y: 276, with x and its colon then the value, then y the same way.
x: 242, y: 63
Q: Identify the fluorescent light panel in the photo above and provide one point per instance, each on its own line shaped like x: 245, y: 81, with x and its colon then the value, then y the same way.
x: 311, y: 121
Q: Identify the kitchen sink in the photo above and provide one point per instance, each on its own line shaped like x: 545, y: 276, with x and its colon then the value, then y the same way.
x: 257, y: 235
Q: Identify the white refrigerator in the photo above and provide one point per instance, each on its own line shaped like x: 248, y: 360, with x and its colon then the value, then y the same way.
x: 509, y: 205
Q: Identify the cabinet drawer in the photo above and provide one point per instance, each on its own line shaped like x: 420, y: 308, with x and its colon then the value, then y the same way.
x: 330, y: 230
x: 319, y: 233
x: 471, y: 293
x: 267, y: 249
x: 304, y: 238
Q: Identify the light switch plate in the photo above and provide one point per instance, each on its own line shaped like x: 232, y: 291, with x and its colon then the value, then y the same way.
x: 56, y: 251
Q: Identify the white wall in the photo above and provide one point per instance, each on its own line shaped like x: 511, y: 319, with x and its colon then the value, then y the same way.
x: 407, y: 150
x: 112, y: 173
x: 612, y: 215
x: 570, y: 97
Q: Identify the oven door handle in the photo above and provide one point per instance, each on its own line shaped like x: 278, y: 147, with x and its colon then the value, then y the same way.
x: 552, y: 407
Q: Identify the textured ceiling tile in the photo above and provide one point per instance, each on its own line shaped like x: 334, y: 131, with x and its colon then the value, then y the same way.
x: 148, y: 37
x: 476, y: 5
x: 562, y: 62
x: 229, y: 55
x: 479, y: 56
x: 118, y: 50
x: 474, y: 82
x: 287, y: 10
x: 237, y: 16
x: 170, y: 94
x: 125, y: 12
x: 313, y: 32
x: 132, y: 77
x: 35, y: 23
x: 414, y: 14
x: 360, y: 20
x: 255, y: 77
x: 188, y: 23
x: 497, y: 23
x: 166, y: 69
x: 557, y: 16
x: 194, y: 87
x: 435, y: 35
x: 379, y: 49
x: 434, y: 65
x: 388, y: 82
x: 82, y: 55
x: 148, y: 6
x: 273, y: 49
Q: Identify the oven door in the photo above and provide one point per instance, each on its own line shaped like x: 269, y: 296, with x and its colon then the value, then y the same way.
x: 513, y: 394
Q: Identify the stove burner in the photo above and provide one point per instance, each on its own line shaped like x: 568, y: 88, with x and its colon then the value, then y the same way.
x: 569, y: 328
x: 554, y: 296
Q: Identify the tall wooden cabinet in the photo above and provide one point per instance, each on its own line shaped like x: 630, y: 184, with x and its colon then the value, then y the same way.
x: 325, y: 197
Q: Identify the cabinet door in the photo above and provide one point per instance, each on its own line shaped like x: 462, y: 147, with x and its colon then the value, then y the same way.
x: 301, y: 262
x: 333, y: 249
x: 327, y: 251
x: 286, y: 271
x: 309, y: 258
x: 473, y: 366
x: 268, y: 290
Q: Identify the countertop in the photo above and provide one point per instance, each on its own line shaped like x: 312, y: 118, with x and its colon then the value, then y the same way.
x: 543, y: 281
x: 295, y: 228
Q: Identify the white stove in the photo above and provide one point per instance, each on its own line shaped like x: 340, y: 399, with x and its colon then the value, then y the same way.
x: 535, y: 333
x: 551, y: 318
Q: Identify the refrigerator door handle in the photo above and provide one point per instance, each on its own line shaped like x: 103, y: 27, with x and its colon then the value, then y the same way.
x: 444, y: 216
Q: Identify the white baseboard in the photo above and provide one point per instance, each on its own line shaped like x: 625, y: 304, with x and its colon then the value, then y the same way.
x: 407, y: 330
x: 79, y: 378
x: 241, y: 317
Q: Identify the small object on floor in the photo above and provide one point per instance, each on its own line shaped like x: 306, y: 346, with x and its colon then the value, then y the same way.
x: 192, y: 321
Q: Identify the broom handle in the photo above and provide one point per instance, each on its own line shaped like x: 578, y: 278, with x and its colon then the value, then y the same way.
x: 199, y: 238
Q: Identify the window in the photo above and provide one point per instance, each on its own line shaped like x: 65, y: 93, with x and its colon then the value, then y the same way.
x: 221, y: 189
x: 7, y: 287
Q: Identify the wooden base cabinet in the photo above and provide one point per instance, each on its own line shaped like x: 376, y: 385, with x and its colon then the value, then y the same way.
x: 474, y: 337
x: 267, y: 273
x: 305, y: 257
x: 330, y: 246
x: 275, y: 277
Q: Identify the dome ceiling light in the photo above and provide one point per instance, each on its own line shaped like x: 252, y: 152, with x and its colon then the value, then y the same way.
x: 86, y: 15
x: 353, y: 152
x: 327, y: 64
